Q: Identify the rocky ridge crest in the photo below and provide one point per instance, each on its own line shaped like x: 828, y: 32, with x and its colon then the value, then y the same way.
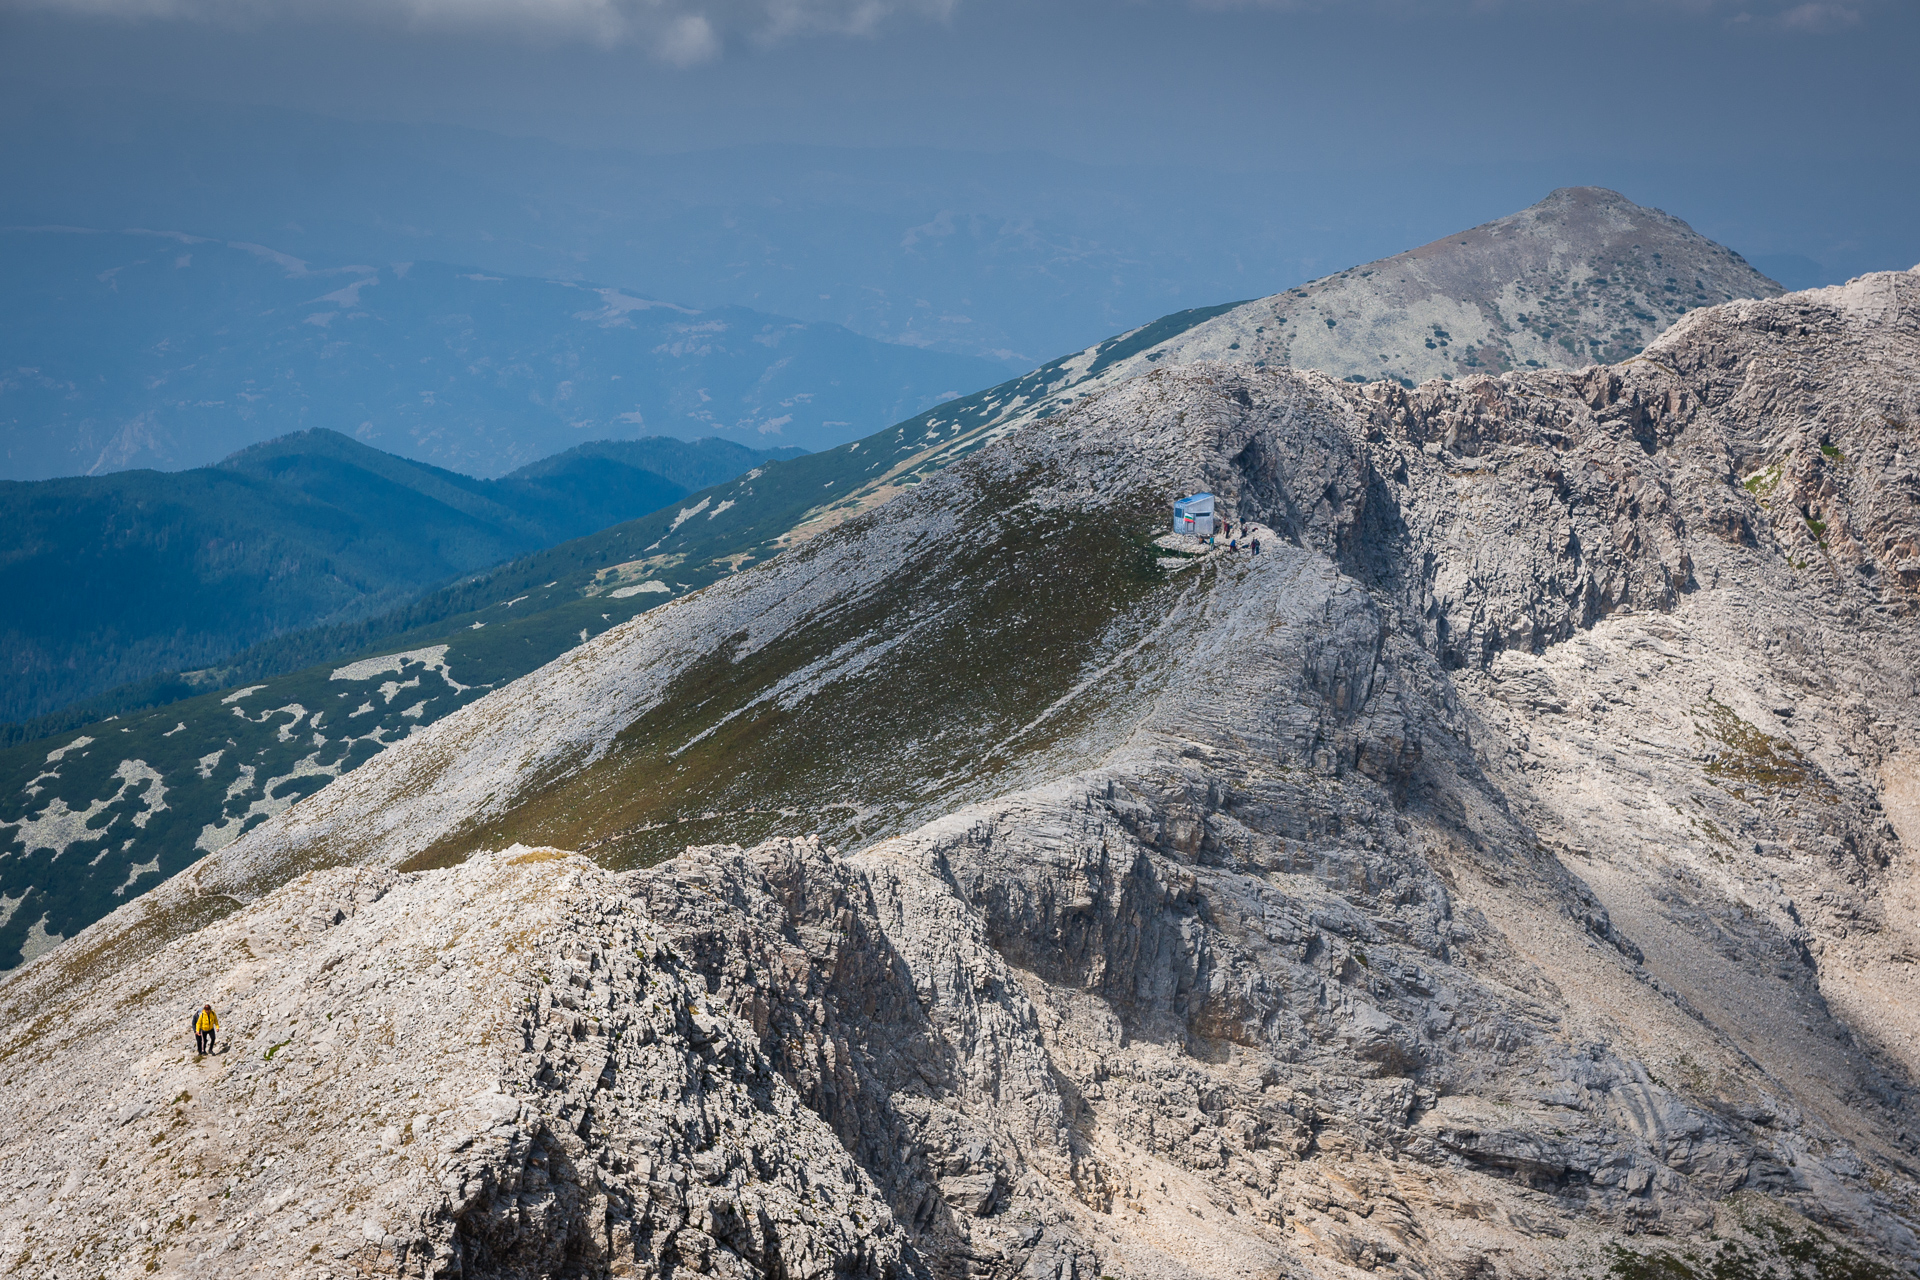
x: 497, y: 1070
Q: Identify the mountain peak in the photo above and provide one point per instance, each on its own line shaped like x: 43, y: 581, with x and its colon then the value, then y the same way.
x: 1585, y: 276
x: 1586, y: 196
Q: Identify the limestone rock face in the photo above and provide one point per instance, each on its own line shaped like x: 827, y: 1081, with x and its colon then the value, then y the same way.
x: 499, y: 1070
x: 1509, y: 865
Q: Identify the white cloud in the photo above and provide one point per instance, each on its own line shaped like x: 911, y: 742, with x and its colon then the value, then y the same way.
x: 1819, y: 17
x: 688, y: 39
x: 680, y: 32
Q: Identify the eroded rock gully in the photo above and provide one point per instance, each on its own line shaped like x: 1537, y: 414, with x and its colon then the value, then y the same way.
x: 1509, y: 865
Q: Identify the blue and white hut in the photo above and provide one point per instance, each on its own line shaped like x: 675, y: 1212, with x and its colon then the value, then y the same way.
x: 1194, y: 515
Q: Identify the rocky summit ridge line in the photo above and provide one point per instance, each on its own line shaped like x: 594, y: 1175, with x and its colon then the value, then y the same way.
x: 1507, y: 873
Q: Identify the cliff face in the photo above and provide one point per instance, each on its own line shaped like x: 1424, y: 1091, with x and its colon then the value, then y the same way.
x: 1509, y: 865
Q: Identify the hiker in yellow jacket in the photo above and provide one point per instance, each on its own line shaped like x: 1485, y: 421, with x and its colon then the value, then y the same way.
x: 205, y: 1023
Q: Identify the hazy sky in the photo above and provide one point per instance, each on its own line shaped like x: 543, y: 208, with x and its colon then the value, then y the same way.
x: 1232, y: 83
x: 1790, y: 131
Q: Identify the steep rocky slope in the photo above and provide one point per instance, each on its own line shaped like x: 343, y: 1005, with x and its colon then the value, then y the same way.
x: 1508, y: 866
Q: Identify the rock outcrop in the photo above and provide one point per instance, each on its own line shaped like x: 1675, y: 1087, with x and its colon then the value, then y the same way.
x: 1508, y: 867
x: 501, y: 1070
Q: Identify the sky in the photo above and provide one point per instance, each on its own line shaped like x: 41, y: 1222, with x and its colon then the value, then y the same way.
x: 1234, y: 84
x: 1248, y: 145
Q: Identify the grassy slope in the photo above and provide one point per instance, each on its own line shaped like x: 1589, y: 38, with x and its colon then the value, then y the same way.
x: 884, y: 739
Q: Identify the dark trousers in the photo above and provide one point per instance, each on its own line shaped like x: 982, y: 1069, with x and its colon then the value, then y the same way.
x: 203, y: 1041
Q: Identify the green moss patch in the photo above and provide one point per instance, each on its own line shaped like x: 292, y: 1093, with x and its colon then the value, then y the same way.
x: 1776, y: 1252
x: 1745, y: 758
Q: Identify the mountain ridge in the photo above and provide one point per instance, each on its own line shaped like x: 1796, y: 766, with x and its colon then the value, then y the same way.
x: 1509, y: 252
x: 1501, y: 873
x: 584, y: 588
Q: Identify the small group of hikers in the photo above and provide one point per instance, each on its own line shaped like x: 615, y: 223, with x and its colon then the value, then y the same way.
x: 1233, y: 538
x: 206, y: 1024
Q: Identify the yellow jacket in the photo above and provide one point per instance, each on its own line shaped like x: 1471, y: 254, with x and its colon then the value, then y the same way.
x: 207, y: 1020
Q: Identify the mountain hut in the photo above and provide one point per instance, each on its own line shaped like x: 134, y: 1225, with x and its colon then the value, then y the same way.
x: 1194, y: 515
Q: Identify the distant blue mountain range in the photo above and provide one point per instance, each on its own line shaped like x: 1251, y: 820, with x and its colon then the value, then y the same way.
x: 116, y: 579
x: 142, y: 349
